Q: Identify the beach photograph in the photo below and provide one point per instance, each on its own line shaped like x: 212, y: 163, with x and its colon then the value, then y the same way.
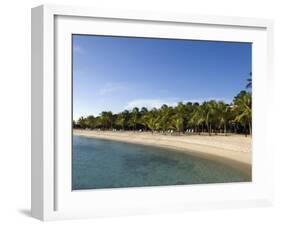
x: 160, y: 112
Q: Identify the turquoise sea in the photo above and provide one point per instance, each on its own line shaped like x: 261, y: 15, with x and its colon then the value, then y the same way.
x: 98, y: 163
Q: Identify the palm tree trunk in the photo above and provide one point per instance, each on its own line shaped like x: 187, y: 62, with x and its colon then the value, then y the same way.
x: 250, y: 128
x: 225, y: 130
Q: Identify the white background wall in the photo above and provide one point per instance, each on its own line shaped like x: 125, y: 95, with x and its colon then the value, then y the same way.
x: 15, y: 112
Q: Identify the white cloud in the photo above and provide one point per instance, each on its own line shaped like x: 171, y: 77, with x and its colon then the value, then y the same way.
x: 157, y: 103
x: 151, y: 103
x: 110, y: 88
x: 201, y: 100
x: 78, y: 49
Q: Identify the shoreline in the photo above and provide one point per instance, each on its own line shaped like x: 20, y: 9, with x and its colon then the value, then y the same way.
x: 233, y: 150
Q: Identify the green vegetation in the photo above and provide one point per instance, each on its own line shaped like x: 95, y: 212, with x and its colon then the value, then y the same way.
x: 210, y: 117
x: 249, y: 81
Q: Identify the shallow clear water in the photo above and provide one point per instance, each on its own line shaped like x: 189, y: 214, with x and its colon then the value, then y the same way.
x: 101, y: 163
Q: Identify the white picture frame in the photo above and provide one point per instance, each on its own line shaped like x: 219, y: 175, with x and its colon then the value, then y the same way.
x: 52, y: 197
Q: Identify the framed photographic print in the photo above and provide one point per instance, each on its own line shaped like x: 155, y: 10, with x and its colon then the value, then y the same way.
x: 137, y: 112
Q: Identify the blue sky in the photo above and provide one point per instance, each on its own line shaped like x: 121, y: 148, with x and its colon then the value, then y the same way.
x: 118, y: 73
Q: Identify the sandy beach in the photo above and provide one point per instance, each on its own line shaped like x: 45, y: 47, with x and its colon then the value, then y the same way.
x: 234, y: 150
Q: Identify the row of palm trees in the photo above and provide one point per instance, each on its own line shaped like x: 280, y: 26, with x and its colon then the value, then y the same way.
x: 209, y: 117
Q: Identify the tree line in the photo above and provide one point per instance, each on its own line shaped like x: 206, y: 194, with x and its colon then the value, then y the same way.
x: 210, y: 117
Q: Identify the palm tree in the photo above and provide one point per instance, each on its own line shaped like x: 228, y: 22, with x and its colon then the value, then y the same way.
x: 82, y: 123
x: 223, y: 115
x: 150, y: 121
x: 177, y: 123
x: 209, y: 114
x: 243, y: 110
x: 106, y: 119
x: 164, y: 117
x: 197, y: 119
x: 98, y: 122
x: 143, y: 110
x: 134, y: 120
x: 122, y: 119
x: 180, y: 116
x: 90, y: 122
x: 249, y: 81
